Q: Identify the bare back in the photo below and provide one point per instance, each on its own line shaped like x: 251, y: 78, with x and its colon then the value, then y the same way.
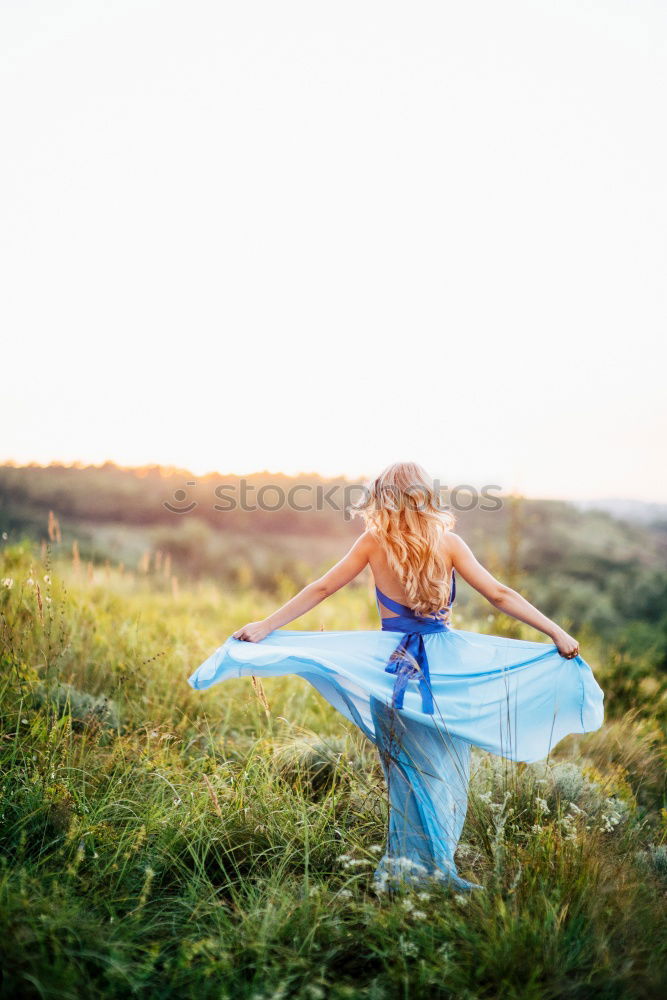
x: 385, y: 578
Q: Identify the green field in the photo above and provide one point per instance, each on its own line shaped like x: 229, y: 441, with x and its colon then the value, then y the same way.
x: 160, y: 842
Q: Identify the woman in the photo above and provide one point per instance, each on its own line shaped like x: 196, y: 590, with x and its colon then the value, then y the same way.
x: 422, y: 691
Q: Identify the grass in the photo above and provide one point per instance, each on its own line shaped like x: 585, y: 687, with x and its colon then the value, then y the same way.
x: 157, y: 842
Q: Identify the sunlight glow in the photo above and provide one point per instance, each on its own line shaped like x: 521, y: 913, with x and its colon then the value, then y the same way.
x: 304, y: 236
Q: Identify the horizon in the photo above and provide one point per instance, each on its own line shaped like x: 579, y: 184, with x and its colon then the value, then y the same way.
x: 311, y: 473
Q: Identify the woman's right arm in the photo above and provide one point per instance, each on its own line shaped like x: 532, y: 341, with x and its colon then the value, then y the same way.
x: 313, y: 594
x: 504, y: 598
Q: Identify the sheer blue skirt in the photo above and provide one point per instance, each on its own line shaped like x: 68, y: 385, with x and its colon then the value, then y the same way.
x: 511, y: 697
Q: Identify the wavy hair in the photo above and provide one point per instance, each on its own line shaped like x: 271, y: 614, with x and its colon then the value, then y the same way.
x: 404, y: 511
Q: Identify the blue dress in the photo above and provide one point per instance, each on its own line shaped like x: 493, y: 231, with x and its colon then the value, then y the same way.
x: 424, y: 692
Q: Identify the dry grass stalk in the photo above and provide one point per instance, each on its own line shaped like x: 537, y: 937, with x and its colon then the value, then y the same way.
x: 261, y: 695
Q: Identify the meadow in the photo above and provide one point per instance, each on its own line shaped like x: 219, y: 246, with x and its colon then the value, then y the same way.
x: 161, y: 842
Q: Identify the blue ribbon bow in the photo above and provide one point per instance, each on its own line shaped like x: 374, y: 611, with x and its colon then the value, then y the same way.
x: 408, y: 661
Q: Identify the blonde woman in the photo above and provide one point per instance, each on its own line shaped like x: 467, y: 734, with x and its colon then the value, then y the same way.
x: 422, y: 691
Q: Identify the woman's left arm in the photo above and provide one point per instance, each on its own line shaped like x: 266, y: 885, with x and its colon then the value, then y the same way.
x: 313, y: 594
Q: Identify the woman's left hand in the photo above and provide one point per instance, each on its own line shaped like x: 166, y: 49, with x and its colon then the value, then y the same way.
x: 252, y: 632
x: 566, y: 645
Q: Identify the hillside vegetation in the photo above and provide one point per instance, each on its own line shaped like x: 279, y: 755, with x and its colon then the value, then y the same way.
x: 160, y: 842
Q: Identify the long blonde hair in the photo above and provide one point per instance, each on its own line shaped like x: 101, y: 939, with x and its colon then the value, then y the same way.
x: 404, y: 511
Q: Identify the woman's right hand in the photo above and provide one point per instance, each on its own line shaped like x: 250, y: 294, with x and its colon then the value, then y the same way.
x: 252, y: 632
x: 566, y: 645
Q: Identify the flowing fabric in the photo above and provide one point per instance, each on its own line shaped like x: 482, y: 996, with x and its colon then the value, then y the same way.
x: 424, y: 693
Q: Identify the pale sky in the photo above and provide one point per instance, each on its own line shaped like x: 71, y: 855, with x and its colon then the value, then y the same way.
x: 268, y: 234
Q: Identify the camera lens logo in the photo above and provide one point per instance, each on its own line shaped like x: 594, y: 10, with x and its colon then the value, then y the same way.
x: 180, y: 496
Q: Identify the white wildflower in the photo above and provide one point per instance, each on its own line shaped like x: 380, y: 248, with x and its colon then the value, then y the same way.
x: 423, y: 895
x: 609, y: 821
x: 461, y: 900
x: 403, y: 865
x: 407, y: 946
x: 355, y: 862
x: 47, y: 578
x: 568, y: 781
x: 616, y: 811
x: 345, y: 894
x: 8, y: 582
x: 419, y: 915
x: 569, y: 826
x: 542, y: 805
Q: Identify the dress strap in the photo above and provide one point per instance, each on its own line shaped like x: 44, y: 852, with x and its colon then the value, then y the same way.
x: 402, y: 609
x: 392, y: 605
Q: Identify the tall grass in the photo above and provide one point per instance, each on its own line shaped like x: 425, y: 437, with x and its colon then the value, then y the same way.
x: 156, y: 842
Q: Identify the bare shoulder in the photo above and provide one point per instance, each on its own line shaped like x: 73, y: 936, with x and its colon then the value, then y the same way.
x: 370, y: 546
x: 453, y: 542
x: 455, y: 546
x: 366, y: 542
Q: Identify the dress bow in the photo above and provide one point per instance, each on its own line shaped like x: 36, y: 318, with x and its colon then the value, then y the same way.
x: 409, y: 660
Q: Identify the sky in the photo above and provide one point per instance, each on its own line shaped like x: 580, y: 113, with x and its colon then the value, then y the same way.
x: 308, y: 236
